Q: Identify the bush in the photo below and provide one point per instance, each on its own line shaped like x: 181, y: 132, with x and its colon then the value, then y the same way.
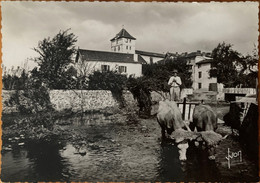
x: 141, y: 90
x: 14, y: 82
x: 31, y: 100
x: 161, y: 73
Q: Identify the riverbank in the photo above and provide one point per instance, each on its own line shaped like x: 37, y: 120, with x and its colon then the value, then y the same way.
x: 113, y: 146
x: 18, y: 129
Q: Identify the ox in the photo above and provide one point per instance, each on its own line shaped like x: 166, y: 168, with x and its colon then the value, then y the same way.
x: 172, y: 126
x: 205, y: 120
x: 170, y: 119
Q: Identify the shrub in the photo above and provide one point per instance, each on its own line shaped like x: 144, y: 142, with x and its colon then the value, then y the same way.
x: 141, y: 91
x: 31, y: 100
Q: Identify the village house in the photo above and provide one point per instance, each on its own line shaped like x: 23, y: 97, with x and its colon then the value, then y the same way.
x: 123, y: 57
x: 88, y: 61
x: 199, y: 65
x: 202, y: 79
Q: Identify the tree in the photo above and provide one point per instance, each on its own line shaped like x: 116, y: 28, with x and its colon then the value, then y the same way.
x: 251, y: 69
x: 155, y: 78
x: 15, y: 79
x: 232, y: 68
x: 78, y: 81
x: 161, y: 73
x: 227, y: 65
x: 55, y: 56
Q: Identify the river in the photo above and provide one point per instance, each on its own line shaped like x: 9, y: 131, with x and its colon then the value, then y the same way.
x: 119, y: 150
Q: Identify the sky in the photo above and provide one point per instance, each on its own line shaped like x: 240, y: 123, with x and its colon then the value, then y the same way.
x: 157, y: 26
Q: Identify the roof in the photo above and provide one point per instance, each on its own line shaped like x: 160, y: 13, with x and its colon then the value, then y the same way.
x: 161, y: 61
x: 123, y: 34
x: 205, y: 61
x: 193, y: 54
x: 93, y: 55
x: 146, y: 53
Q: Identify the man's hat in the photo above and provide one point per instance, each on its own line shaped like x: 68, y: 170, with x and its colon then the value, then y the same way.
x: 175, y: 71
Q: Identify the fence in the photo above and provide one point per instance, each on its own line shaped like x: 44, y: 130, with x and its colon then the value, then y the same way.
x: 239, y: 90
x: 186, y: 109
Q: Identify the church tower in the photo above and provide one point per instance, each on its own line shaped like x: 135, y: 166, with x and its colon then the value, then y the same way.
x: 123, y: 42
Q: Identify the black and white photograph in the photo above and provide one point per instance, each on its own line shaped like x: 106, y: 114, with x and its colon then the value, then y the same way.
x: 129, y: 91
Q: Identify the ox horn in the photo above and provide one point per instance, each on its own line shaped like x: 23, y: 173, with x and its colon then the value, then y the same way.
x: 188, y: 128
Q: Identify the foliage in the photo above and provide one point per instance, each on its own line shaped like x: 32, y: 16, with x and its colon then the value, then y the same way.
x: 141, y: 90
x: 251, y: 62
x: 161, y: 73
x: 81, y: 72
x: 32, y: 128
x: 225, y: 60
x: 55, y: 57
x: 15, y: 82
x: 32, y: 100
x: 155, y: 78
x: 108, y: 80
x: 232, y: 68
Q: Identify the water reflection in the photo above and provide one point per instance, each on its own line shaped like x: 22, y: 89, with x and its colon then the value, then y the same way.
x: 199, y: 167
x: 117, y: 151
x: 38, y: 162
x: 170, y: 167
x: 47, y: 162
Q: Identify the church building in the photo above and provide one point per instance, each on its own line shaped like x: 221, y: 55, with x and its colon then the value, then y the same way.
x: 123, y: 57
x: 123, y: 42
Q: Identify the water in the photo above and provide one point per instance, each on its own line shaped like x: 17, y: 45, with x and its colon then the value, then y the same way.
x: 118, y: 150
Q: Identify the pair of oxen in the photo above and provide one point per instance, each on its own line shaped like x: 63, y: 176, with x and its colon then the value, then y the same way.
x: 200, y: 132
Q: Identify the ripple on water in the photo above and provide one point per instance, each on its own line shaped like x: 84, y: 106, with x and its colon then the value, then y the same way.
x: 116, y: 151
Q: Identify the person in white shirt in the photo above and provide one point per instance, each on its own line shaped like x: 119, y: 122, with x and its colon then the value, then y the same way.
x: 175, y: 82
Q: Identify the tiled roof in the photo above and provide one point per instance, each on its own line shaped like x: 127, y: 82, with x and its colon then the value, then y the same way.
x: 205, y: 61
x: 93, y: 55
x: 123, y: 34
x: 146, y: 53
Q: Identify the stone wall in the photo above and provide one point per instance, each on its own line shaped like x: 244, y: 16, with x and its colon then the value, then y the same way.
x: 74, y: 99
x: 89, y: 99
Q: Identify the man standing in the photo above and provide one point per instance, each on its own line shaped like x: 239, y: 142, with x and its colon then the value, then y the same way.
x: 175, y: 82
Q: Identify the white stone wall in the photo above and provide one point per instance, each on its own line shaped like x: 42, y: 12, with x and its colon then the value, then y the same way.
x: 74, y: 99
x: 91, y: 99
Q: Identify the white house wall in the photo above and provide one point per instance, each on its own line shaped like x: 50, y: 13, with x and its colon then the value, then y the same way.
x: 205, y: 80
x: 131, y: 68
